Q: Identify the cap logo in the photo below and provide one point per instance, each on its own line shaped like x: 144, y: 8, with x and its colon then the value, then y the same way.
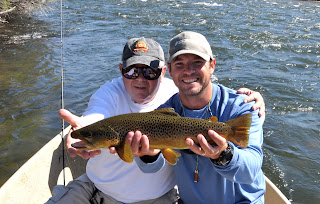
x: 140, y: 46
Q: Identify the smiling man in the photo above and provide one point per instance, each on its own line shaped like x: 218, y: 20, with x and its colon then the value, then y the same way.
x: 209, y: 173
x: 221, y: 173
x: 141, y: 88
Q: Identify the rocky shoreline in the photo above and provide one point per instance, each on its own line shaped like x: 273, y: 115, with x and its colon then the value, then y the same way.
x: 11, y: 8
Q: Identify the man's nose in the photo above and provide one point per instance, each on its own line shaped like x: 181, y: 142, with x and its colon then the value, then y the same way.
x: 189, y: 67
x: 141, y: 77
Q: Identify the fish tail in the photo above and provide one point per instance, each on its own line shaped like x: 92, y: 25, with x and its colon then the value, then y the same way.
x: 240, y: 126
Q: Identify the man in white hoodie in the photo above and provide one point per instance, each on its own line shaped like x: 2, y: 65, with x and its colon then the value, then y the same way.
x: 141, y: 88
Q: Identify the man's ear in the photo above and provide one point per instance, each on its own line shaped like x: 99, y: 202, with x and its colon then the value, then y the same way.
x: 120, y: 67
x: 169, y: 67
x: 164, y: 69
x: 163, y: 72
x: 212, y: 65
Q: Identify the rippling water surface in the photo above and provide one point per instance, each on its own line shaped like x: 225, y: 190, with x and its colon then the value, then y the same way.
x: 269, y: 46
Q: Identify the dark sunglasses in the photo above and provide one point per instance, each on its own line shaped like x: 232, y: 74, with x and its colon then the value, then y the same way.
x: 147, y: 72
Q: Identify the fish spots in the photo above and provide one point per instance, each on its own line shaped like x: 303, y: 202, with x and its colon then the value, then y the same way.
x: 165, y: 130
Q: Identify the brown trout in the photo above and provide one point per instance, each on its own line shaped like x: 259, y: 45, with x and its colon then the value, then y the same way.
x: 165, y: 129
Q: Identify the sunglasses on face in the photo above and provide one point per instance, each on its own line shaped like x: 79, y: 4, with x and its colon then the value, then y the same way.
x: 147, y: 72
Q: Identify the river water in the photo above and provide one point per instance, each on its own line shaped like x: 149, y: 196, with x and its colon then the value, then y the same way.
x: 266, y: 45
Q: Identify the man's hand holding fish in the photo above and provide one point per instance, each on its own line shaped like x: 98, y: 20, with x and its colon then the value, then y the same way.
x: 205, y: 149
x: 75, y: 122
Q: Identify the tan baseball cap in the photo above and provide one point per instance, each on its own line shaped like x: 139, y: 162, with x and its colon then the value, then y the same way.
x: 189, y: 42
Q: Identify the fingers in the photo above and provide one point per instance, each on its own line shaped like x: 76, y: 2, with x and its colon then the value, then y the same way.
x: 262, y: 111
x: 254, y: 96
x: 140, y: 144
x: 204, y: 148
x: 112, y: 150
x: 93, y: 153
x: 207, y: 148
x: 245, y: 91
x: 135, y: 145
x: 72, y: 119
x: 259, y: 105
x: 69, y: 140
x: 75, y: 123
x: 145, y: 149
x: 251, y: 96
x: 85, y: 154
x: 195, y: 148
x: 219, y: 140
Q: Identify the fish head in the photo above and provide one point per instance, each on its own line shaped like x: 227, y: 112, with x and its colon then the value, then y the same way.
x: 96, y: 137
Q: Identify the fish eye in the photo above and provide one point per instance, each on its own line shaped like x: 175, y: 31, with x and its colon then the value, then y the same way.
x: 87, y: 134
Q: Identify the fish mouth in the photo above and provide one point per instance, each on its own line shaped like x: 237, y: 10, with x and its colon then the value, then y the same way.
x: 83, y: 144
x: 86, y: 142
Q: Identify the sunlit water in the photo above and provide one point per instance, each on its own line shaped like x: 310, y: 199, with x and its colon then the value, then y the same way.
x: 269, y: 46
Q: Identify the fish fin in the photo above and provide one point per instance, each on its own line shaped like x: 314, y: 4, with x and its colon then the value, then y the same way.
x: 240, y: 126
x: 124, y: 151
x: 166, y: 111
x: 170, y: 155
x: 213, y: 119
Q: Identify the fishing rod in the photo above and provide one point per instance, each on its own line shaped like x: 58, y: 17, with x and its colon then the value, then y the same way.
x: 62, y: 84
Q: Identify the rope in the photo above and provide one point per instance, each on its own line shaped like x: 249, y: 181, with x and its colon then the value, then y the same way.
x: 62, y: 97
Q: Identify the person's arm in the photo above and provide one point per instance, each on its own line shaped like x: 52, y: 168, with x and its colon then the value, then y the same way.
x: 75, y: 122
x: 244, y: 163
x: 101, y: 105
